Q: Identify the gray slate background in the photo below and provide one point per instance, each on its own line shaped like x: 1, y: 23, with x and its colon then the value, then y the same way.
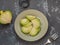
x: 51, y: 9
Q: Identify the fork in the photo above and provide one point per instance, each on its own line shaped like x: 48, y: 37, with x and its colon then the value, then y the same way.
x: 52, y: 38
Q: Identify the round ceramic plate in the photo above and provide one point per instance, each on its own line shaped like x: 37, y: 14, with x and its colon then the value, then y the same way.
x: 44, y: 25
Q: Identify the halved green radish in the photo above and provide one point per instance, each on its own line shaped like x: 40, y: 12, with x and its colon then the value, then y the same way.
x: 5, y: 17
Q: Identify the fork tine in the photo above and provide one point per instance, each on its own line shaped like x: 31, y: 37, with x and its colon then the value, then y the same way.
x: 54, y: 36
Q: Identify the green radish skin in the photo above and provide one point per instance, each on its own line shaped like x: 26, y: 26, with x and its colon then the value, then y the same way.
x: 1, y: 11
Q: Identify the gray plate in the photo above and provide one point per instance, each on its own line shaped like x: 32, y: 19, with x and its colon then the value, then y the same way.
x: 44, y: 25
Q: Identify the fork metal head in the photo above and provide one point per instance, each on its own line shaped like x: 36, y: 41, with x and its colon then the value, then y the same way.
x: 54, y: 36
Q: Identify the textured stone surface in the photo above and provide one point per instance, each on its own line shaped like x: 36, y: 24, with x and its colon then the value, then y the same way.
x: 51, y: 9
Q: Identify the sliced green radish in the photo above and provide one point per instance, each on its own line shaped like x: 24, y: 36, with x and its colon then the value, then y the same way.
x: 34, y: 31
x: 29, y: 24
x: 30, y: 17
x: 36, y: 23
x: 26, y: 29
x: 24, y: 21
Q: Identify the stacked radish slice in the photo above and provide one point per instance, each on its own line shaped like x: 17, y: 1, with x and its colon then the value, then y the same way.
x: 30, y: 25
